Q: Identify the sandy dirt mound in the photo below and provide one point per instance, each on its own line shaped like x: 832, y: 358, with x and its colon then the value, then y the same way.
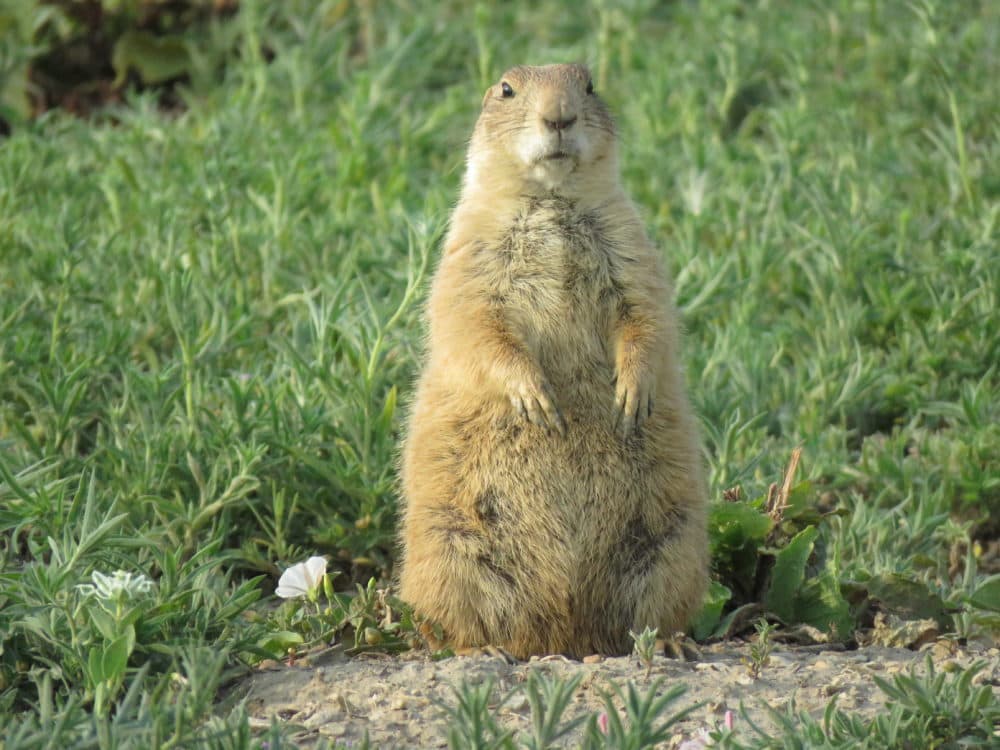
x: 397, y: 699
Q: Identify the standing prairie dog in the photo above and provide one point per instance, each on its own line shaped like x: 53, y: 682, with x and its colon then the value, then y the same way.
x: 552, y: 482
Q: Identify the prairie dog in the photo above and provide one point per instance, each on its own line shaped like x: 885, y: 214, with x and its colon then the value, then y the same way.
x: 553, y: 493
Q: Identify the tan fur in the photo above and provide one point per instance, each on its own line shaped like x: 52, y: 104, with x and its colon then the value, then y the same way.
x: 552, y: 483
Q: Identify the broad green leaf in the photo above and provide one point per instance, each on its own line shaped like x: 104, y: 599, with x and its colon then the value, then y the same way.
x: 820, y: 603
x: 733, y: 524
x: 279, y: 642
x: 987, y: 594
x: 711, y: 612
x: 103, y: 621
x: 800, y: 501
x: 129, y: 634
x: 738, y: 618
x: 788, y: 574
x: 95, y: 665
x: 115, y: 657
x: 908, y: 598
x: 130, y: 618
x: 155, y: 58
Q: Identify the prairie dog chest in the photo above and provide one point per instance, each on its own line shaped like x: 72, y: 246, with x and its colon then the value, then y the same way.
x: 556, y: 260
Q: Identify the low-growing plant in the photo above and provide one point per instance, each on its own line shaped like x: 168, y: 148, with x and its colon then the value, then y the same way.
x: 936, y: 709
x: 548, y: 699
x: 760, y: 649
x: 631, y: 719
x: 314, y: 614
x: 644, y: 646
x: 764, y: 556
x: 472, y: 720
x: 646, y: 722
x: 174, y: 708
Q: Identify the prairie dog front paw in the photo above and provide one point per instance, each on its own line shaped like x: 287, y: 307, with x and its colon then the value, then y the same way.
x: 534, y: 401
x: 633, y: 403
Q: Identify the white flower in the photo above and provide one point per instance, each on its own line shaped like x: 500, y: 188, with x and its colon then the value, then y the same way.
x: 301, y: 579
x: 120, y: 584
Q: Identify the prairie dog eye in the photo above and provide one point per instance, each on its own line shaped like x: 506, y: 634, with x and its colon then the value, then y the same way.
x: 590, y: 87
x: 506, y: 90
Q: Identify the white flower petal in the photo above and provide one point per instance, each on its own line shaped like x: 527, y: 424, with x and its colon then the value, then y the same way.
x: 290, y: 591
x: 315, y: 570
x: 292, y: 583
x: 301, y: 578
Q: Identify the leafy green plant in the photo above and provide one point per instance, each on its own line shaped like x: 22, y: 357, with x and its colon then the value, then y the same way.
x: 644, y: 646
x: 760, y: 649
x: 936, y: 709
x: 548, y: 699
x: 315, y: 615
x: 762, y: 550
x: 472, y: 723
x: 112, y: 605
x: 645, y: 723
x: 631, y: 720
x: 21, y: 25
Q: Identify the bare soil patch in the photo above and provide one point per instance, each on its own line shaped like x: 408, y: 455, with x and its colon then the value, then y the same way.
x: 397, y: 700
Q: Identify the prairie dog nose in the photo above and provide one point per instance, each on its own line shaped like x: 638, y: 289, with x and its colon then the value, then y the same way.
x: 557, y: 109
x: 560, y: 124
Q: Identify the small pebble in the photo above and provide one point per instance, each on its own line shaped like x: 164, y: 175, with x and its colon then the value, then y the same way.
x: 518, y: 703
x: 593, y: 659
x: 941, y: 650
x: 322, y: 717
x: 333, y: 730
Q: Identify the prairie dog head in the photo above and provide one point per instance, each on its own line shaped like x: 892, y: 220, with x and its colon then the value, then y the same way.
x: 542, y: 129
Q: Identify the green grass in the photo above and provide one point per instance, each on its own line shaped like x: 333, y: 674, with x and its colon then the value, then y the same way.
x: 210, y: 321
